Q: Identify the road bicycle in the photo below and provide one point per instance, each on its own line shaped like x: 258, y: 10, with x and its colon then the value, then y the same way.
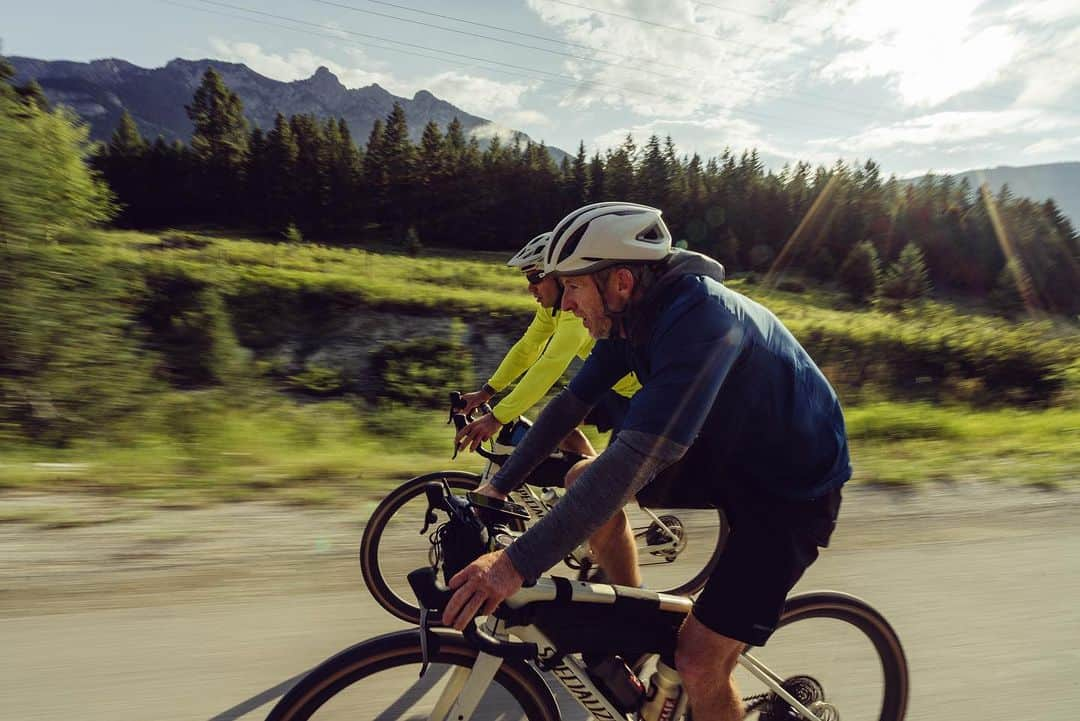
x: 832, y: 657
x: 677, y: 548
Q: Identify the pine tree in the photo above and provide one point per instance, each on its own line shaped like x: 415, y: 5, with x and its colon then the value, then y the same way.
x: 907, y: 279
x: 652, y: 175
x: 375, y: 161
x: 123, y: 164
x: 282, y: 153
x: 860, y: 273
x: 597, y: 184
x: 399, y: 156
x: 219, y: 142
x: 619, y: 171
x: 580, y: 183
x: 432, y: 154
x: 311, y: 180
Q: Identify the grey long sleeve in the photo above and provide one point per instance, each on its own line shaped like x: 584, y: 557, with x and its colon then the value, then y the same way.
x: 559, y: 417
x: 607, y: 485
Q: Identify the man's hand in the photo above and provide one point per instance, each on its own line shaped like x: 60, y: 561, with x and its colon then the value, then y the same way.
x: 480, y: 588
x: 474, y: 400
x: 491, y: 492
x: 475, y: 433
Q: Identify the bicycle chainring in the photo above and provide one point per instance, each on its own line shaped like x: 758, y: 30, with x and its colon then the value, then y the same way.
x: 806, y: 691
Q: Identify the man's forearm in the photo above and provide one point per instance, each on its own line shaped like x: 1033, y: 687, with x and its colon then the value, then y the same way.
x: 607, y: 485
x: 558, y: 418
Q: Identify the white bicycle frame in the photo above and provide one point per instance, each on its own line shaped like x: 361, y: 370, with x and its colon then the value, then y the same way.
x: 466, y: 687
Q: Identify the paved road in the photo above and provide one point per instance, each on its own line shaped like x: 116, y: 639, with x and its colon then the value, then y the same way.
x: 982, y: 587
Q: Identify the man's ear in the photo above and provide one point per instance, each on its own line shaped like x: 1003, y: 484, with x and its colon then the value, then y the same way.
x: 624, y: 282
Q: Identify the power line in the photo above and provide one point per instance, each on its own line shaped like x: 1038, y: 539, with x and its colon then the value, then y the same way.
x: 522, y: 33
x: 672, y: 28
x: 495, y: 39
x: 335, y: 35
x: 553, y: 76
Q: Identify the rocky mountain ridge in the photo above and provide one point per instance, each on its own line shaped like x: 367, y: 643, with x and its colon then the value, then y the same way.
x: 99, y: 91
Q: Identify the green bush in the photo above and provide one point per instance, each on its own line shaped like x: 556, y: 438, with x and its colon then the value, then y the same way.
x: 70, y: 358
x: 905, y: 280
x: 318, y: 381
x: 187, y: 324
x: 422, y: 371
x: 860, y: 272
x: 292, y: 234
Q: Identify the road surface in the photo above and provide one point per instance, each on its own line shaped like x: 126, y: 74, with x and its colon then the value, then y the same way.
x: 208, y: 615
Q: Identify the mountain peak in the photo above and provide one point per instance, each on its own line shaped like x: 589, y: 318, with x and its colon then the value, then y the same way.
x: 325, y: 82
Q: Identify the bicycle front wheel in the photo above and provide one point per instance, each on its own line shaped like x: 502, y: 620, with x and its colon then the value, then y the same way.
x: 393, y: 546
x: 379, y: 679
x: 836, y: 655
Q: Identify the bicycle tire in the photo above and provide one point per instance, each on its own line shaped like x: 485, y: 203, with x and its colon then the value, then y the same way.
x: 695, y: 583
x: 401, y: 604
x: 861, y: 616
x: 398, y: 604
x: 328, y: 682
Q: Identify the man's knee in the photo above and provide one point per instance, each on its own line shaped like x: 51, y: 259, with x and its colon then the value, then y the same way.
x: 703, y: 657
x: 576, y: 470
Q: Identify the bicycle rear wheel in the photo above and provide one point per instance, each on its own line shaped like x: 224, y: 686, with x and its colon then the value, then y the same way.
x: 835, y: 654
x: 679, y: 548
x: 379, y: 679
x: 393, y: 546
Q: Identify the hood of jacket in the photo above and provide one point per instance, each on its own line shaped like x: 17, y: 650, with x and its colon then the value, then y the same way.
x: 640, y: 316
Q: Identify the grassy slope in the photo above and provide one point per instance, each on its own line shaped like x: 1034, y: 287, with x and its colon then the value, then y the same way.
x: 253, y: 442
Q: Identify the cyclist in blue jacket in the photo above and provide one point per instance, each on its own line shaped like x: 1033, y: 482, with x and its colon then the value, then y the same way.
x: 732, y: 413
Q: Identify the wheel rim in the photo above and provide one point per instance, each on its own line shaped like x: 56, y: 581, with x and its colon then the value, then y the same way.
x: 836, y: 653
x: 393, y: 545
x: 380, y: 681
x: 679, y: 565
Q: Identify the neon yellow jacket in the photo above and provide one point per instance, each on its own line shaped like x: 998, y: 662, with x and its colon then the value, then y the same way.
x: 543, y: 353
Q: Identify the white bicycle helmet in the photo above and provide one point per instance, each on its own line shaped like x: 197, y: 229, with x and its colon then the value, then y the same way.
x: 530, y: 259
x: 605, y: 234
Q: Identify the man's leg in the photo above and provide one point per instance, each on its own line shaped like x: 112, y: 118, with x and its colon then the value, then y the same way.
x: 577, y: 442
x: 705, y: 660
x: 613, y: 543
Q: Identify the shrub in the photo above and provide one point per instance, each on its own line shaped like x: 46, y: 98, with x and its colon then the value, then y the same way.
x: 292, y: 234
x: 413, y: 247
x: 189, y: 327
x: 907, y: 279
x: 422, y: 371
x: 318, y: 380
x: 860, y: 272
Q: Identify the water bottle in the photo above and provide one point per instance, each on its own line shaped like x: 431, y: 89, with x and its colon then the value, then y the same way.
x: 665, y: 689
x: 615, y: 679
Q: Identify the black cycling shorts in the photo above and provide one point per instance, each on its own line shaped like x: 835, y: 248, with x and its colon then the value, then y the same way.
x: 771, y: 543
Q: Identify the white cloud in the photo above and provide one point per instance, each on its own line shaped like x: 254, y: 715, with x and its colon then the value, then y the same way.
x: 952, y: 129
x: 1051, y: 146
x: 715, y: 59
x: 522, y: 118
x: 1044, y: 12
x: 300, y: 63
x: 1050, y: 70
x: 932, y: 50
x: 477, y: 95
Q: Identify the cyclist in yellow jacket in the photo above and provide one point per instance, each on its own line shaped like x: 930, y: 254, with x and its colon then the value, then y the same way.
x: 539, y: 359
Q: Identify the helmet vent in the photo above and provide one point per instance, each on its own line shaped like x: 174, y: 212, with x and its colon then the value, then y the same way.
x: 572, y: 242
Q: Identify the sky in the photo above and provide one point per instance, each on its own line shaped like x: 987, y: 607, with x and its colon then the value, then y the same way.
x: 917, y: 86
